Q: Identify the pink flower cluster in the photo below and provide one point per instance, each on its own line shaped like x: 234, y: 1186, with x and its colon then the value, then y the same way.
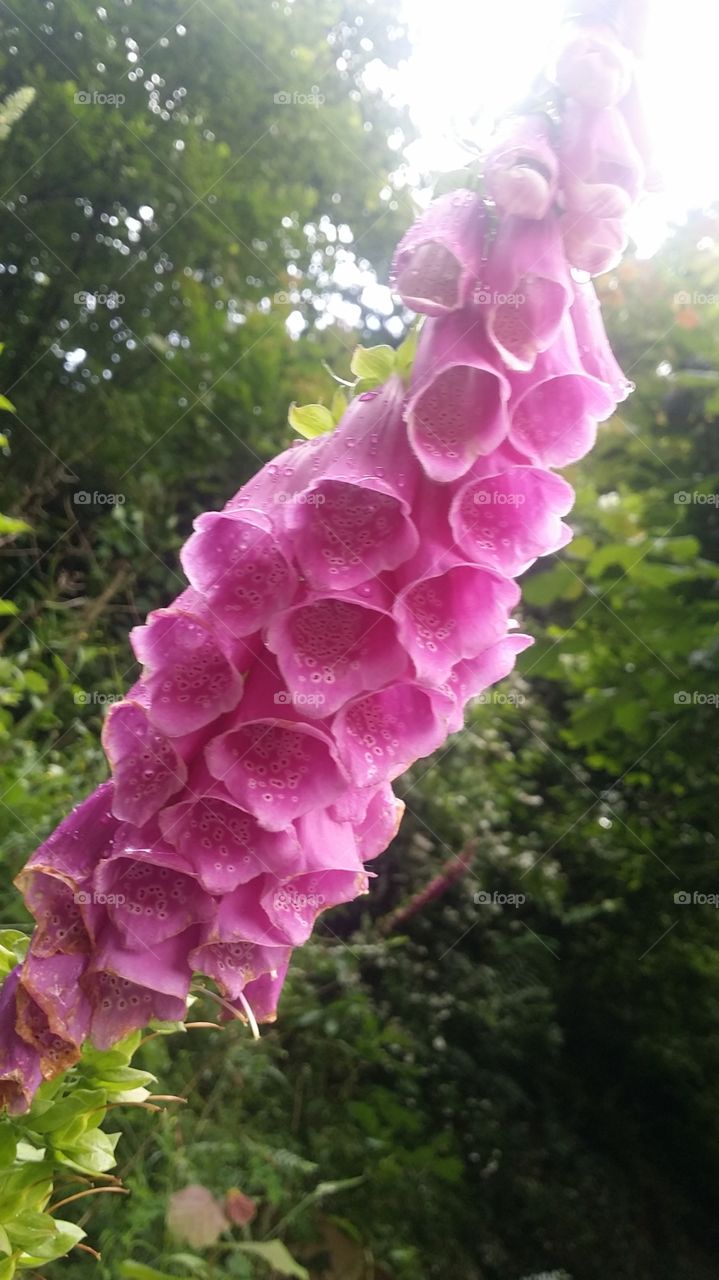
x: 341, y: 611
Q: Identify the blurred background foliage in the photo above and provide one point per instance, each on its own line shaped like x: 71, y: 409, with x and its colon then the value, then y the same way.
x: 501, y: 1090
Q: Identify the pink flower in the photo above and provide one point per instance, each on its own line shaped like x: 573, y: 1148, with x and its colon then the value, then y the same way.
x: 522, y: 170
x: 188, y: 680
x: 235, y: 561
x: 456, y: 405
x: 593, y: 66
x: 526, y: 290
x: 554, y: 409
x: 343, y: 609
x: 146, y: 766
x: 353, y: 518
x: 505, y: 521
x: 438, y: 261
x: 20, y: 1069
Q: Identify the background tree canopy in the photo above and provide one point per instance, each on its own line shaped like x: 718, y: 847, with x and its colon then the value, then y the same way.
x: 498, y: 1090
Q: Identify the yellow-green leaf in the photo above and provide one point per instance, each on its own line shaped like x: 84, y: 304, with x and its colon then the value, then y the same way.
x: 373, y: 363
x: 310, y: 420
x: 8, y: 524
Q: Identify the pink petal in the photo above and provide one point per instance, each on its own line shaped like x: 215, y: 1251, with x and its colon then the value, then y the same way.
x: 554, y: 409
x: 381, y: 735
x: 276, y: 769
x: 453, y: 615
x: 439, y: 258
x: 225, y: 845
x: 507, y: 520
x: 527, y: 291
x: 521, y: 169
x: 239, y: 567
x: 189, y: 680
x: 146, y: 767
x: 333, y: 649
x: 456, y: 407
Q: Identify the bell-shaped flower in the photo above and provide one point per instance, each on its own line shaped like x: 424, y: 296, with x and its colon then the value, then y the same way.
x: 59, y: 910
x: 129, y: 985
x: 236, y: 562
x: 595, y: 353
x: 521, y: 170
x: 439, y: 259
x: 232, y: 965
x: 276, y: 767
x: 526, y: 290
x: 334, y: 648
x: 452, y: 615
x: 593, y: 66
x: 75, y: 847
x: 53, y: 1014
x: 378, y: 736
x: 353, y: 520
x: 472, y: 676
x: 188, y: 680
x: 150, y: 894
x: 20, y: 1070
x: 554, y: 409
x: 224, y: 845
x: 456, y: 408
x: 505, y: 521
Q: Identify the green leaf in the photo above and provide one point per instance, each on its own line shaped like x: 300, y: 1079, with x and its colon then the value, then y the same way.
x: 8, y: 524
x: 7, y: 607
x: 7, y: 404
x: 375, y: 364
x: 277, y: 1256
x: 556, y: 584
x: 94, y: 1152
x: 29, y: 1229
x: 138, y: 1271
x: 310, y: 420
x: 13, y: 945
x: 64, y: 1238
x: 8, y: 1144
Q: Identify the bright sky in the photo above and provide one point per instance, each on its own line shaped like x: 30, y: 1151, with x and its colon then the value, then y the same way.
x: 473, y: 58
